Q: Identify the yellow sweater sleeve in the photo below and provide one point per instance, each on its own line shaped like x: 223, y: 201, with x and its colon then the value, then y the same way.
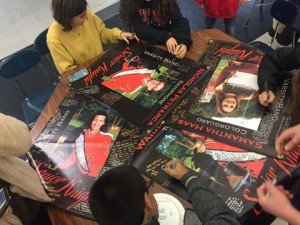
x: 63, y: 60
x: 106, y: 35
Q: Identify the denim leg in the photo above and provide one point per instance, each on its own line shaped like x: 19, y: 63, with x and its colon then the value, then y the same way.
x: 209, y: 22
x: 229, y: 26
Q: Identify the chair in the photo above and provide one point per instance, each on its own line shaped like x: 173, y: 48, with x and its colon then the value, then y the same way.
x: 14, y: 66
x: 287, y: 12
x: 252, y: 10
x: 40, y: 44
x: 263, y: 47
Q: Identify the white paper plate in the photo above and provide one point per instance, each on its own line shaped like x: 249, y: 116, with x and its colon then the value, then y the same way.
x: 171, y: 211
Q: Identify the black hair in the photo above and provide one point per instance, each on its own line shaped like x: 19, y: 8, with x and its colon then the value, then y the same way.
x: 129, y: 7
x: 88, y: 123
x: 117, y: 197
x: 65, y: 10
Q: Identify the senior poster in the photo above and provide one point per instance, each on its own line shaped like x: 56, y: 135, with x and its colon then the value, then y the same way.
x: 232, y: 172
x: 226, y: 108
x: 81, y: 141
x: 141, y: 82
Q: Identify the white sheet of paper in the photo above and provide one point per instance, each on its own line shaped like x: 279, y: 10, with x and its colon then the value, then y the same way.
x: 171, y: 211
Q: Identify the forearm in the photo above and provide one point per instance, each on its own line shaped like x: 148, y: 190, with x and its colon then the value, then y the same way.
x: 208, y: 205
x: 107, y: 35
x: 274, y: 63
x: 292, y: 216
x: 62, y: 59
x: 180, y: 27
x: 181, y: 32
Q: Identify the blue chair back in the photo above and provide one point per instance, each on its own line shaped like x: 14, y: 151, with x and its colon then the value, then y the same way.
x: 287, y: 12
x: 40, y: 43
x: 19, y: 62
x: 261, y: 46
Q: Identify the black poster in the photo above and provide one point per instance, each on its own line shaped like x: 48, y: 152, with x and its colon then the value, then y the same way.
x: 233, y: 172
x: 140, y: 82
x: 225, y: 105
x: 81, y: 141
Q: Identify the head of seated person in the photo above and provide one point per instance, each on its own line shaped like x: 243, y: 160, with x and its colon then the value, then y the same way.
x: 69, y: 13
x: 121, y: 197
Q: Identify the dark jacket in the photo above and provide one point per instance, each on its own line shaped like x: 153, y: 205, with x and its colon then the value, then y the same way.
x: 209, y: 207
x: 276, y: 62
x: 147, y: 25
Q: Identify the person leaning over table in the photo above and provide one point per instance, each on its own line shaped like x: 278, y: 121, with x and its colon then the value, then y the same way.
x: 77, y: 34
x: 15, y: 141
x: 158, y: 22
x: 121, y: 197
x: 271, y: 71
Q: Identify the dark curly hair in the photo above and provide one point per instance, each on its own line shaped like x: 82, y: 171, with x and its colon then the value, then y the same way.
x: 129, y: 7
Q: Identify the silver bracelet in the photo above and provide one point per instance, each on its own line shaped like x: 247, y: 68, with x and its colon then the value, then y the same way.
x: 186, y: 183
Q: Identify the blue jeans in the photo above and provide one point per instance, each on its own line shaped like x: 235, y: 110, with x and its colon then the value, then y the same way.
x: 229, y: 24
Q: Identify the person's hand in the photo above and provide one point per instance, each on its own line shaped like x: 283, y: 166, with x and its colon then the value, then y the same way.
x: 278, y: 202
x: 176, y: 170
x: 266, y: 99
x: 180, y: 51
x: 127, y: 36
x: 288, y: 140
x: 171, y: 45
x: 244, y: 2
x: 202, y: 7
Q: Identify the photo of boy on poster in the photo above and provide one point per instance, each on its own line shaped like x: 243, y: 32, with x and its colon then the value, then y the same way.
x: 140, y: 82
x: 231, y: 95
x: 237, y: 170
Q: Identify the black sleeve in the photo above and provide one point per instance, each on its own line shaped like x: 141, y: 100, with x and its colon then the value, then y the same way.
x: 180, y: 27
x: 147, y: 32
x: 276, y: 62
x: 209, y: 207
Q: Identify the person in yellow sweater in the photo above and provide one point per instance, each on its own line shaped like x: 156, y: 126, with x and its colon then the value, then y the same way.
x: 77, y: 34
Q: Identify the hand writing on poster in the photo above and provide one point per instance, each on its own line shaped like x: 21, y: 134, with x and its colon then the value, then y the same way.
x: 266, y: 98
x: 177, y: 169
x: 288, y: 140
x: 171, y: 45
x: 180, y: 51
x: 277, y: 202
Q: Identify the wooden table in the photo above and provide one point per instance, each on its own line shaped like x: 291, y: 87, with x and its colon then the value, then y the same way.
x: 58, y: 217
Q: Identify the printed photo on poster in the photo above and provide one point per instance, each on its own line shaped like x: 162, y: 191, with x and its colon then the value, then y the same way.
x: 143, y: 85
x: 231, y: 95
